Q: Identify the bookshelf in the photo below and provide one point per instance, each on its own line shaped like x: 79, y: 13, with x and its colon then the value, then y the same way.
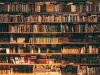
x: 60, y: 37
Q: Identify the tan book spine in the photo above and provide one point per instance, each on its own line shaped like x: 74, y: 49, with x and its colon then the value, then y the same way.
x: 96, y: 50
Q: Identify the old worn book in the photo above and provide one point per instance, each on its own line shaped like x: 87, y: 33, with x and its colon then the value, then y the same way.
x: 20, y: 39
x: 73, y: 8
x: 98, y: 27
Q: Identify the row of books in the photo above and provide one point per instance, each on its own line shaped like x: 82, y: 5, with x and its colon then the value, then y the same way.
x: 28, y: 59
x: 49, y: 7
x: 36, y: 7
x: 4, y: 69
x: 33, y: 28
x: 43, y: 40
x: 37, y: 69
x: 69, y: 69
x: 50, y: 28
x: 49, y: 39
x: 93, y: 38
x: 90, y: 49
x: 77, y: 69
x: 81, y: 59
x: 49, y: 18
x: 4, y: 28
x: 40, y: 49
x: 51, y: 59
x: 53, y: 69
x: 29, y: 49
x: 31, y: 59
x: 53, y: 28
x: 93, y: 7
x: 80, y: 28
x: 88, y: 70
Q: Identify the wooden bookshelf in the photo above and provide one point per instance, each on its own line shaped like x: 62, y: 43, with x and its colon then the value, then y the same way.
x: 79, y: 22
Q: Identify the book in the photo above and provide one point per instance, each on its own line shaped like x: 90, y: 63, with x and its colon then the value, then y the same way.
x: 20, y: 39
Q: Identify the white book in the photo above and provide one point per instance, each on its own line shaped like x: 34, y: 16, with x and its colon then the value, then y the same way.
x: 90, y: 48
x: 7, y: 50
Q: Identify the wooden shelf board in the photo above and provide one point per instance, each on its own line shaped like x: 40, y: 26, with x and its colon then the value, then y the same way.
x: 81, y: 53
x: 28, y: 53
x: 14, y: 22
x: 49, y: 0
x: 74, y: 32
x: 32, y: 32
x: 45, y: 74
x: 73, y: 43
x: 76, y: 74
x: 29, y: 64
x: 49, y: 53
x: 29, y: 74
x: 30, y: 43
x: 30, y: 22
x: 54, y: 43
x: 80, y: 64
x: 46, y: 32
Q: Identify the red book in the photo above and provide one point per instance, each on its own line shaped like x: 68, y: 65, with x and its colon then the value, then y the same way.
x: 24, y: 28
x: 43, y: 61
x: 27, y: 57
x: 50, y: 18
x: 32, y: 8
x: 9, y: 28
x: 6, y: 7
x: 39, y: 61
x: 60, y: 7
